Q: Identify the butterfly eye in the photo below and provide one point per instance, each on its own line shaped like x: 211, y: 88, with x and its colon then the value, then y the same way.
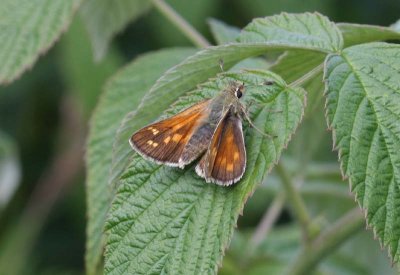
x: 238, y: 93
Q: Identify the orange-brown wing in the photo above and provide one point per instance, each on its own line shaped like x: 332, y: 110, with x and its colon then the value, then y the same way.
x: 164, y: 141
x: 225, y: 160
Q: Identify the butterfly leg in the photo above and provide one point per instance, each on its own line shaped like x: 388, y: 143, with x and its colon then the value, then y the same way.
x: 244, y: 113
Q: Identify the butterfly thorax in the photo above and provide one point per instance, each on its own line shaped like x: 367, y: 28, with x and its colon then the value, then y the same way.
x: 227, y: 98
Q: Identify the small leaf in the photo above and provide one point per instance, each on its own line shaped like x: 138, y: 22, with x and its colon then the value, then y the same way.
x: 363, y: 99
x: 358, y: 34
x: 168, y: 220
x: 28, y: 29
x: 122, y: 93
x: 105, y: 18
x: 311, y: 29
x: 222, y: 32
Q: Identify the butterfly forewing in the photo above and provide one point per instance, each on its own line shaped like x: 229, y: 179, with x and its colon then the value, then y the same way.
x: 225, y: 160
x: 165, y: 141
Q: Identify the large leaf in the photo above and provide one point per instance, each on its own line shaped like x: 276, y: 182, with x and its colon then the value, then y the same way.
x: 357, y: 34
x: 204, y: 64
x: 181, y: 79
x: 363, y: 99
x: 314, y: 30
x: 28, y: 29
x: 122, y: 94
x: 105, y: 18
x: 168, y: 220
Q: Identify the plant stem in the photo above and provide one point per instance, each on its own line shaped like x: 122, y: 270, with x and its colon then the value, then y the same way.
x: 327, y: 242
x: 191, y: 33
x: 294, y: 198
x: 300, y: 81
x: 268, y: 219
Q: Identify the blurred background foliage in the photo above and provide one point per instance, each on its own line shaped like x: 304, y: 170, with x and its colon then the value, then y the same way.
x: 45, y: 113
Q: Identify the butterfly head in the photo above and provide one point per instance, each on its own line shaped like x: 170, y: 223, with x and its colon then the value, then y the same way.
x: 236, y: 89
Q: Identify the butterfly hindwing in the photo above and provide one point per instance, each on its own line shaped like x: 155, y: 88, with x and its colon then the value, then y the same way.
x: 164, y: 141
x: 225, y: 160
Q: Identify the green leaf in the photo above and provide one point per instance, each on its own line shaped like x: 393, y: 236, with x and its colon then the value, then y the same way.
x: 205, y: 63
x: 179, y: 80
x: 311, y: 29
x: 222, y: 32
x: 294, y: 65
x: 358, y: 34
x: 105, y: 18
x: 122, y: 94
x: 168, y: 220
x: 10, y: 171
x: 363, y: 99
x: 28, y: 29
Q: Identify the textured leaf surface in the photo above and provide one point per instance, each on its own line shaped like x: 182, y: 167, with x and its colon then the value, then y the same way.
x: 205, y: 64
x: 28, y: 29
x: 222, y: 32
x: 181, y: 79
x: 123, y: 93
x: 105, y: 18
x: 363, y: 99
x: 357, y: 34
x: 168, y: 220
x: 314, y: 30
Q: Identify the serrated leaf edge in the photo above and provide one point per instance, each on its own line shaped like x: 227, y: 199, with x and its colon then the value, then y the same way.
x: 348, y: 178
x: 7, y: 80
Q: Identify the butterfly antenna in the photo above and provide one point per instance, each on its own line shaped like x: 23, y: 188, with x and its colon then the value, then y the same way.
x: 256, y: 128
